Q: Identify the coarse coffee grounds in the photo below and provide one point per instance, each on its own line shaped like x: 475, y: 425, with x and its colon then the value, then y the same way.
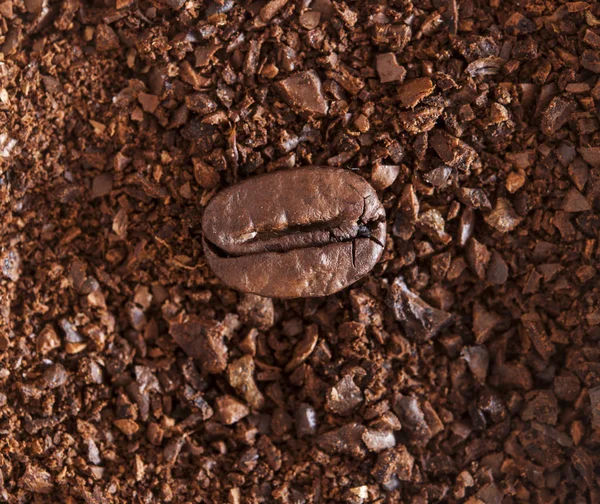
x: 465, y: 367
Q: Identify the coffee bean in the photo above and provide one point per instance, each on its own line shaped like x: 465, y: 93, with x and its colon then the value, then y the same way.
x: 295, y: 233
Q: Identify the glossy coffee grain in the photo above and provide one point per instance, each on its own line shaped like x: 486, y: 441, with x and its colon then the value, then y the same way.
x: 295, y: 233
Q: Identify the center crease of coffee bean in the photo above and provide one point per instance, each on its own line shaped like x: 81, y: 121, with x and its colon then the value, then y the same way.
x: 295, y: 237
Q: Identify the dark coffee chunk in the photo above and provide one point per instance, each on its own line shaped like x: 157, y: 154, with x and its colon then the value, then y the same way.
x: 301, y: 233
x: 346, y: 440
x: 497, y: 272
x: 201, y: 339
x: 388, y: 68
x: 230, y: 410
x: 412, y: 92
x: 591, y: 155
x: 240, y: 374
x: 591, y: 60
x: 575, y: 202
x: 344, y: 397
x: 534, y: 328
x: 484, y: 322
x: 36, y: 480
x: 566, y: 388
x: 303, y: 92
x: 542, y: 406
x: 518, y: 24
x: 595, y: 406
x: 393, y: 466
x: 558, y: 112
x: 10, y: 264
x: 271, y: 9
x: 413, y: 419
x: 419, y: 320
x: 478, y: 360
x: 106, y: 38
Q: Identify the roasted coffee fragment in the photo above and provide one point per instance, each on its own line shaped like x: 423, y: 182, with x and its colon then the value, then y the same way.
x: 388, y: 68
x: 230, y: 410
x: 383, y: 176
x: 583, y: 463
x: 478, y: 257
x: 484, y: 322
x: 106, y: 38
x: 466, y: 226
x: 575, y: 202
x: 420, y: 120
x: 558, y: 112
x: 485, y: 66
x: 347, y: 79
x: 10, y: 264
x: 541, y: 406
x: 348, y: 16
x: 201, y: 339
x: 310, y: 19
x: 271, y: 9
x: 534, y: 328
x: 419, y: 320
x: 594, y: 394
x: 478, y: 359
x: 591, y: 60
x: 591, y: 155
x: 413, y: 419
x: 438, y: 177
x: 127, y: 426
x: 566, y: 388
x: 503, y: 216
x: 205, y: 175
x: 344, y: 397
x: 304, y: 348
x: 579, y: 173
x: 518, y: 24
x: 37, y: 480
x: 393, y: 466
x: 453, y: 151
x: 412, y: 92
x: 473, y: 197
x: 497, y: 270
x: 241, y: 377
x: 303, y: 92
x: 433, y: 224
x: 55, y: 376
x: 256, y: 311
x: 47, y: 340
x: 345, y: 440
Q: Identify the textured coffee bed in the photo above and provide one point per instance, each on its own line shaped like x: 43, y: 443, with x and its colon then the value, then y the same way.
x: 464, y: 367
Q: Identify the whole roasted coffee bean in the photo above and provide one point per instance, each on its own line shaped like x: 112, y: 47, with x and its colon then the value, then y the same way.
x: 295, y: 233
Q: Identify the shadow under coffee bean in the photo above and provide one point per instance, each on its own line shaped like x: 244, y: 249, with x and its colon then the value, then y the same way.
x: 295, y: 233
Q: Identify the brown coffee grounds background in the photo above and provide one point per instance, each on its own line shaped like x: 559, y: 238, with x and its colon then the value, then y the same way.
x: 464, y: 368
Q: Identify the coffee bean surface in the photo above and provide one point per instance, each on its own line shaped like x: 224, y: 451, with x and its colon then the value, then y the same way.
x: 295, y: 233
